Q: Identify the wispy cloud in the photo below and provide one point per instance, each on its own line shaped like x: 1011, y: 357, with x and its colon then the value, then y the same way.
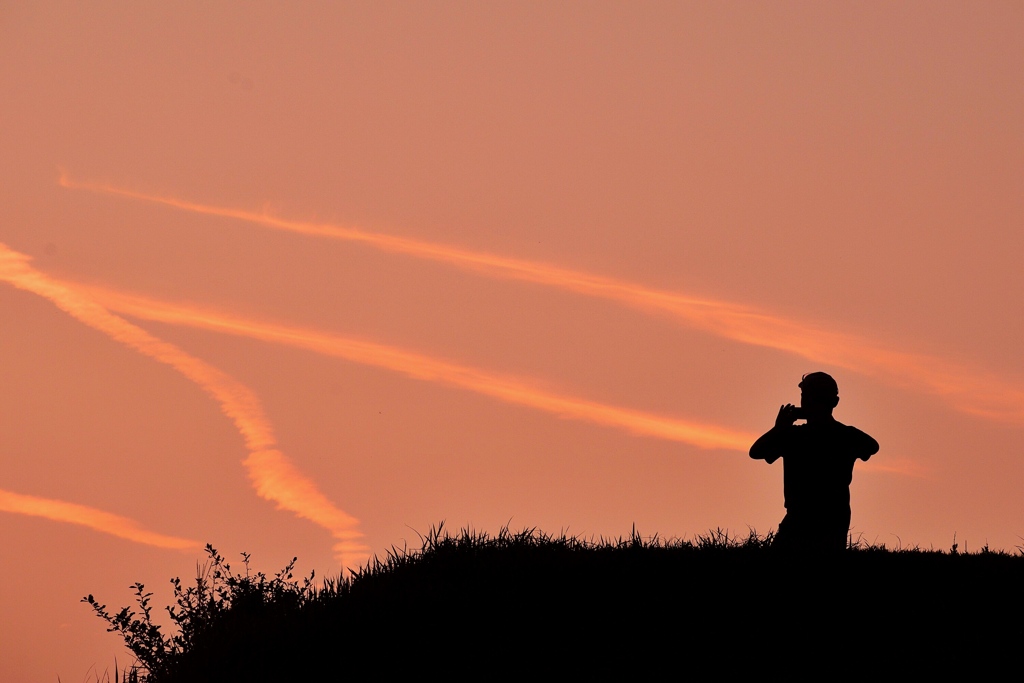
x: 273, y: 475
x: 966, y: 388
x: 106, y: 522
x: 507, y: 388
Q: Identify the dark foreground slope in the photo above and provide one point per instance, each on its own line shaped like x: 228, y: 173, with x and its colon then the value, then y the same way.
x: 473, y: 605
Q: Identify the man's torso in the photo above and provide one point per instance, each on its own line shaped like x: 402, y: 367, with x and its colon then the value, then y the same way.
x: 818, y: 466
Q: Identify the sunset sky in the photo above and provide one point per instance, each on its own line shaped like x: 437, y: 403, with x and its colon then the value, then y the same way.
x: 304, y: 279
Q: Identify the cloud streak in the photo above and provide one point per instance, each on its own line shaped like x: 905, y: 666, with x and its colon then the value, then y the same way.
x: 965, y: 388
x: 98, y: 520
x: 272, y: 474
x: 507, y: 388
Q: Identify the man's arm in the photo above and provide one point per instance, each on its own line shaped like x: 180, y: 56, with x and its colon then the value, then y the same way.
x: 772, y: 444
x: 862, y: 445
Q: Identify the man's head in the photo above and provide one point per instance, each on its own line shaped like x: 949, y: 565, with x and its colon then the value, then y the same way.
x: 819, y: 393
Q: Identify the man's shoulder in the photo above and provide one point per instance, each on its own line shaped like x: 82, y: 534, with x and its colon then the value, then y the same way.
x: 863, y: 442
x: 849, y: 429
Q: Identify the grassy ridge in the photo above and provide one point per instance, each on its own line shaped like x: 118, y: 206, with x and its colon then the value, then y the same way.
x: 470, y: 603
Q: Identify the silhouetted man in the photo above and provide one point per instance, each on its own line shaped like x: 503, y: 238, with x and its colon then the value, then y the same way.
x: 817, y: 460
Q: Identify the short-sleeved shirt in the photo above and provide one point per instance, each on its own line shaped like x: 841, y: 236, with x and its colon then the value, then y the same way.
x: 818, y: 464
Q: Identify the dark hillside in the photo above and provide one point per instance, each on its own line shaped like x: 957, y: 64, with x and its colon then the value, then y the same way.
x: 474, y: 605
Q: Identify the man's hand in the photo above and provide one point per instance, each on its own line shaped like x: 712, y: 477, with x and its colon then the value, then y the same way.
x: 787, y: 416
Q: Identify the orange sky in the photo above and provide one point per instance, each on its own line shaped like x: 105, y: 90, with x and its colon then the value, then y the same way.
x: 547, y: 263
